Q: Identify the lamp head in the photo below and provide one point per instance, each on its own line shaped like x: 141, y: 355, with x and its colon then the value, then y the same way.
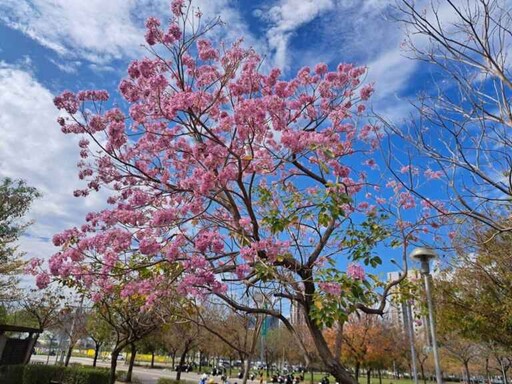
x: 423, y: 255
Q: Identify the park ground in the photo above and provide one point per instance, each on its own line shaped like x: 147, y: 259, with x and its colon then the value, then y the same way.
x: 145, y: 375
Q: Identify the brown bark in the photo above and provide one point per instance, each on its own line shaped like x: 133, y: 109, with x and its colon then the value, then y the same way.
x: 247, y: 368
x: 113, y: 365
x: 333, y: 365
x: 96, y: 353
x: 68, y: 355
x: 466, y: 371
x: 338, y: 341
x: 152, y: 359
x: 182, y: 360
x: 133, y: 350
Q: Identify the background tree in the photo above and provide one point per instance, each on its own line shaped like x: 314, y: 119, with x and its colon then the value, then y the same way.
x: 72, y: 321
x: 98, y: 330
x: 152, y: 344
x: 474, y: 294
x: 460, y: 133
x: 41, y: 308
x: 128, y: 322
x: 15, y: 200
x: 357, y: 337
x: 189, y: 335
x: 172, y: 342
x: 238, y: 330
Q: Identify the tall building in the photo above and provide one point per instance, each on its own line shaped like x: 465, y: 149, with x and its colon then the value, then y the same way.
x: 297, y: 316
x: 399, y: 311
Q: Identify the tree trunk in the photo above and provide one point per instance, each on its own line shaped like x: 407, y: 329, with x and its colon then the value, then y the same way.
x: 339, y: 340
x: 487, y: 372
x: 422, y: 370
x: 242, y: 367
x: 358, y: 366
x: 133, y: 352
x: 68, y: 355
x: 368, y: 376
x: 503, y: 371
x: 380, y: 376
x: 182, y: 361
x: 466, y: 371
x: 113, y: 365
x: 152, y: 359
x: 131, y: 363
x: 334, y: 367
x: 247, y: 367
x: 96, y: 353
x: 173, y: 357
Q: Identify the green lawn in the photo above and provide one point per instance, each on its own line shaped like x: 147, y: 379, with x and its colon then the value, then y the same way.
x: 318, y: 376
x: 362, y: 380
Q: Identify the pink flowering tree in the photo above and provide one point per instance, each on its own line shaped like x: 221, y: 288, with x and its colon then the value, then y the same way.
x: 240, y: 181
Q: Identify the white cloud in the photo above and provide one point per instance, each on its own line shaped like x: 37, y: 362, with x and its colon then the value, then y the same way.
x: 96, y: 30
x: 286, y: 17
x: 33, y: 148
x: 101, y: 31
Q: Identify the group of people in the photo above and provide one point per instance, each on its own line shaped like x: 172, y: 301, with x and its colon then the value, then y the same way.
x: 287, y: 379
x: 223, y: 378
x: 276, y: 379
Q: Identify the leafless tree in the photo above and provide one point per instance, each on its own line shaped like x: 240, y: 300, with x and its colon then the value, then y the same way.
x: 461, y: 133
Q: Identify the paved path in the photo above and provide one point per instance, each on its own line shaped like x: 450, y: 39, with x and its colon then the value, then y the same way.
x: 145, y: 375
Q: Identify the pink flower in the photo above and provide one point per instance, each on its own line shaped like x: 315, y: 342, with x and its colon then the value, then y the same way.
x: 406, y: 200
x: 206, y: 51
x: 67, y: 101
x: 176, y: 7
x: 33, y: 266
x: 409, y: 168
x: 355, y: 272
x: 242, y: 270
x: 321, y: 69
x: 366, y: 91
x: 42, y: 280
x: 431, y: 175
x: 149, y: 247
x: 330, y: 288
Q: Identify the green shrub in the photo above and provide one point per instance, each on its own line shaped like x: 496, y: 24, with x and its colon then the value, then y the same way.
x: 42, y: 374
x: 11, y: 374
x: 121, y: 375
x: 86, y: 375
x: 165, y: 380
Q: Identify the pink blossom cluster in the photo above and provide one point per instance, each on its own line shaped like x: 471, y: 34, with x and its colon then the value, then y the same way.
x: 355, y: 271
x: 330, y: 288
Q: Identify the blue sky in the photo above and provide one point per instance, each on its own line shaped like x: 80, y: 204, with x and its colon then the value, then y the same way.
x: 47, y: 46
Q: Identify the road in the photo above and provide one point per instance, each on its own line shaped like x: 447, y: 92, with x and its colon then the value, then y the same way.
x: 145, y: 375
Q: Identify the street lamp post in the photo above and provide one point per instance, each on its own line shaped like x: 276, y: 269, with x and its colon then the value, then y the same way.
x: 410, y: 330
x: 424, y: 255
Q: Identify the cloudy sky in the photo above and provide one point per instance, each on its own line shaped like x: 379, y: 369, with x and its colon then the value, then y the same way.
x: 47, y: 46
